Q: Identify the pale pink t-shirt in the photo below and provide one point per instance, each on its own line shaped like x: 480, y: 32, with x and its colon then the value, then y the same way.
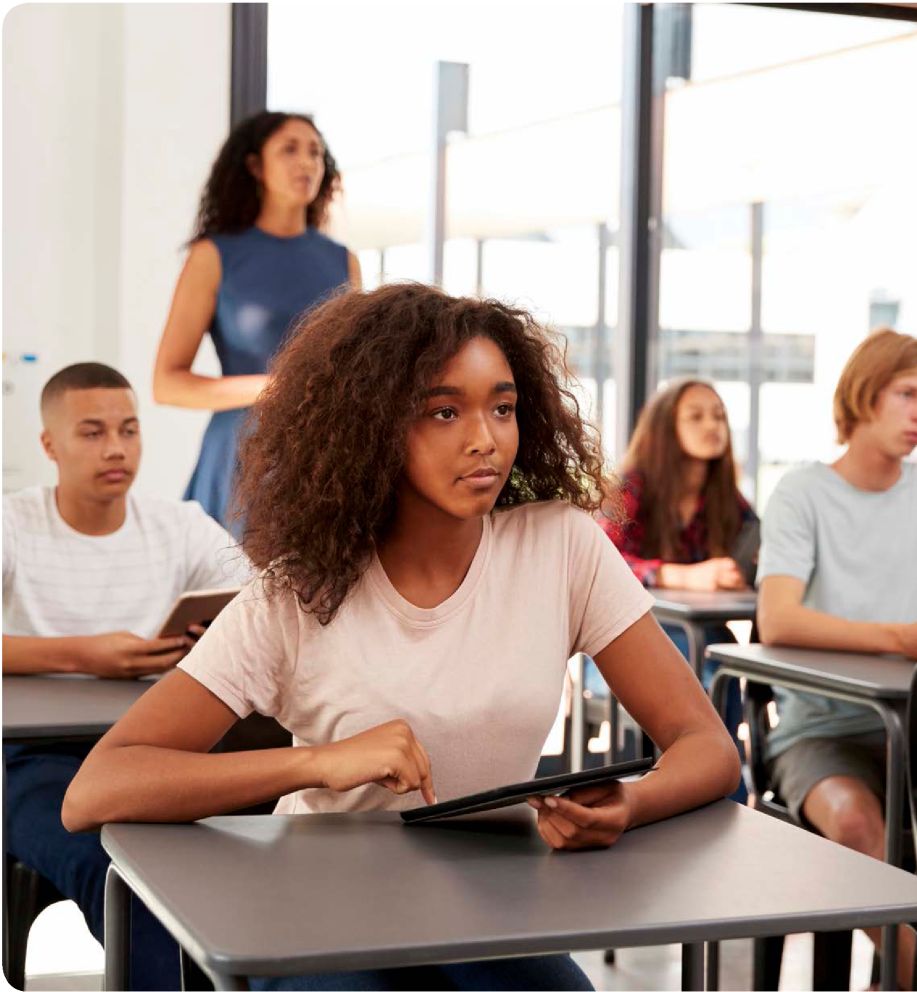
x: 479, y: 678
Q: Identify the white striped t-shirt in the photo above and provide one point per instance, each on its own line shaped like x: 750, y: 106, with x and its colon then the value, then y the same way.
x: 58, y: 582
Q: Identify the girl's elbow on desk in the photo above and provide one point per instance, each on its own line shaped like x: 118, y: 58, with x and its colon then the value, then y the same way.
x: 91, y: 799
x: 78, y: 813
x: 721, y: 762
x: 711, y: 772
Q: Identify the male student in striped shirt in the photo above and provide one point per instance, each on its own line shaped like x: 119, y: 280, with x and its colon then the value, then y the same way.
x: 90, y: 571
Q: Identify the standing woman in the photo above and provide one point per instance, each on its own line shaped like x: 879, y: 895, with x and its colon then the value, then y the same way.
x: 257, y: 260
x: 683, y: 509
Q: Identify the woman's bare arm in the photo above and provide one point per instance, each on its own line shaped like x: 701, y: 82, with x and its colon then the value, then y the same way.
x: 353, y: 271
x: 153, y: 765
x: 192, y: 310
x: 659, y: 689
x: 699, y: 762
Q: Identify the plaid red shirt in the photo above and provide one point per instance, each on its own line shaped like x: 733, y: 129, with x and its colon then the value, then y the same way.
x: 629, y: 535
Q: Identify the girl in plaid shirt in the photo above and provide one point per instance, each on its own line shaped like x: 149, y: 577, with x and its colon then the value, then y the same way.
x: 682, y: 508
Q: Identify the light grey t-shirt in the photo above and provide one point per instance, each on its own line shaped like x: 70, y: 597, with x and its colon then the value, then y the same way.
x: 856, y: 551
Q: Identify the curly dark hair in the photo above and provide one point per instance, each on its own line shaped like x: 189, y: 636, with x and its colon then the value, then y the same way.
x: 324, y: 446
x: 230, y: 200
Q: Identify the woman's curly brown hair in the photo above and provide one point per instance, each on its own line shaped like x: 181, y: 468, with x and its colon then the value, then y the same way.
x: 325, y: 443
x: 230, y: 201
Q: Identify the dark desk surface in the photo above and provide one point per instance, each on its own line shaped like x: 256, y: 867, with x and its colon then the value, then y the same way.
x: 290, y: 894
x: 876, y: 676
x: 691, y: 606
x: 65, y: 707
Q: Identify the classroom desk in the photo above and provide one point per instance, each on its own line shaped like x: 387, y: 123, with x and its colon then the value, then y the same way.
x: 287, y: 895
x: 881, y: 682
x: 42, y: 708
x: 692, y: 611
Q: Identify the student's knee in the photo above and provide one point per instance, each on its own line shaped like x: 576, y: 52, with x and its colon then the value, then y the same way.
x: 848, y: 813
x: 859, y: 829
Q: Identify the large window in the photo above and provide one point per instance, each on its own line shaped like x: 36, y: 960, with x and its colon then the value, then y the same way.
x: 532, y: 189
x: 789, y: 208
x: 788, y: 202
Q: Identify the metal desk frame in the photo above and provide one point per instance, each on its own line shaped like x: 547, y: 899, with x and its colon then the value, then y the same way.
x: 892, y: 711
x: 733, y: 826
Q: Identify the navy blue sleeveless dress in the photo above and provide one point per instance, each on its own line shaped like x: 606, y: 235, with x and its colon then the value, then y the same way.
x: 267, y: 283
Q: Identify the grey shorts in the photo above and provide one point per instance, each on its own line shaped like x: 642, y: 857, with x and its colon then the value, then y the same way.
x: 801, y: 767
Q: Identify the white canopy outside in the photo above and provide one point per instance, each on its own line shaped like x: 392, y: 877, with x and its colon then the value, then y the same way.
x: 841, y: 122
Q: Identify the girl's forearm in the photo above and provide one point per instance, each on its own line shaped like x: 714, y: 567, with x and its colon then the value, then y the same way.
x: 153, y: 785
x: 181, y: 387
x: 698, y: 768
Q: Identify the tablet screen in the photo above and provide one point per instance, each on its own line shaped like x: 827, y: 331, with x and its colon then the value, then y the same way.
x: 508, y: 795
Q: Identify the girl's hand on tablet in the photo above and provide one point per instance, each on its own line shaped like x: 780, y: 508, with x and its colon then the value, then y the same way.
x: 389, y: 755
x: 590, y: 817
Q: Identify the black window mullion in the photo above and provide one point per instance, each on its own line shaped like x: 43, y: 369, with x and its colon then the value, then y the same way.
x: 248, y: 80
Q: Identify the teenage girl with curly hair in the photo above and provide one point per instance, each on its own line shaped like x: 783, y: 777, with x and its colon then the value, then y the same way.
x: 257, y: 260
x: 417, y: 487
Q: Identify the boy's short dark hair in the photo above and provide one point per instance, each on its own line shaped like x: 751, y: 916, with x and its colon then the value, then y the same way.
x: 83, y: 375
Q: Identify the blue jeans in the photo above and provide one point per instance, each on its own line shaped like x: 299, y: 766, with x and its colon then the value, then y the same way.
x: 552, y: 971
x: 75, y: 864
x: 717, y: 634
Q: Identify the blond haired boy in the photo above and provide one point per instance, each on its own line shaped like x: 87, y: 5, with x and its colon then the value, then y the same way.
x: 838, y: 570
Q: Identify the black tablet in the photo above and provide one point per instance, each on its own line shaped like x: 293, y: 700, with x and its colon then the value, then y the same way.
x: 508, y: 795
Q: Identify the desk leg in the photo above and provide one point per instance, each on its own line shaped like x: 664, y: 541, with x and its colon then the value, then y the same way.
x: 697, y: 645
x: 718, y: 688
x: 692, y: 967
x: 894, y: 813
x: 889, y: 973
x: 117, y: 931
x: 645, y: 748
x: 713, y: 966
x: 895, y: 773
x: 614, y: 725
x: 578, y: 714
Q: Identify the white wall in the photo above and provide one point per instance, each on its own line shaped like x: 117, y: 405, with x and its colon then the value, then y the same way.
x: 112, y: 114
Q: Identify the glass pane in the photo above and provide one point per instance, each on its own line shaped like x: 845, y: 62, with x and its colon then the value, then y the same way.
x: 803, y: 113
x: 529, y: 187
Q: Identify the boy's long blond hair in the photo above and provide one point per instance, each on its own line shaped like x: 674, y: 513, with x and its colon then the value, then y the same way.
x: 875, y: 362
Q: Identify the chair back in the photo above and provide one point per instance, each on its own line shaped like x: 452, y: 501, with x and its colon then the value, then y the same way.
x: 757, y: 697
x: 912, y: 754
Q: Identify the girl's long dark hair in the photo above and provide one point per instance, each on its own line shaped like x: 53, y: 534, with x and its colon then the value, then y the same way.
x: 655, y: 453
x: 230, y: 201
x: 325, y: 444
